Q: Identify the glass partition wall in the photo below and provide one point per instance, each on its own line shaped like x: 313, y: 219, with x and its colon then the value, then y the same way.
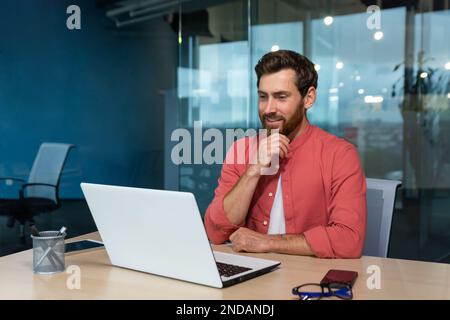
x: 99, y: 88
x: 383, y: 85
x: 140, y: 74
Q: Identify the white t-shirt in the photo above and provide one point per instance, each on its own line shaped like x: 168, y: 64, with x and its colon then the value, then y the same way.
x: 277, y: 222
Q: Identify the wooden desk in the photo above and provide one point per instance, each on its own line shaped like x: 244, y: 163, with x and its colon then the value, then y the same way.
x: 400, y: 279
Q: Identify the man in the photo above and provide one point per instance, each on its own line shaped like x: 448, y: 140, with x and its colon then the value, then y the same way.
x: 315, y: 203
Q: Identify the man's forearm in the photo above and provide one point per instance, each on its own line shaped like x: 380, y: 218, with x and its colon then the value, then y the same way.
x: 290, y: 244
x: 237, y: 202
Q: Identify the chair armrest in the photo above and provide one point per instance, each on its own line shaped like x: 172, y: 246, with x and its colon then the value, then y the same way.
x: 33, y: 184
x: 25, y: 185
x: 13, y: 179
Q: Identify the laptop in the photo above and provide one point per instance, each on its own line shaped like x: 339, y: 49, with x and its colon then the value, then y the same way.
x: 162, y: 233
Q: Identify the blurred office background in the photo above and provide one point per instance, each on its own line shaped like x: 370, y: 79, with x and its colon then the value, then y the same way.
x: 137, y: 70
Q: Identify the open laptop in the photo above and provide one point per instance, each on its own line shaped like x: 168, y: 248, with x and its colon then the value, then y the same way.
x: 161, y: 232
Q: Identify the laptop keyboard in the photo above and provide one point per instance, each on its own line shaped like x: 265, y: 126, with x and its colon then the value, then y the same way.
x: 229, y: 270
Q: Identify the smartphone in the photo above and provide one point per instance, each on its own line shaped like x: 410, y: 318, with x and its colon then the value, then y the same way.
x: 83, y: 245
x: 339, y: 277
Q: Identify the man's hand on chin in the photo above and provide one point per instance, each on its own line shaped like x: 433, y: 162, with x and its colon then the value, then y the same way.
x: 248, y: 240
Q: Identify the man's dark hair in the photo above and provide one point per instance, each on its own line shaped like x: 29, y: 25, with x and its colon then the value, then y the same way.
x: 273, y: 62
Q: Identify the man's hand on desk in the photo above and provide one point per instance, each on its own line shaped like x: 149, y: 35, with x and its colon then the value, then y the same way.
x: 244, y: 239
x: 248, y: 240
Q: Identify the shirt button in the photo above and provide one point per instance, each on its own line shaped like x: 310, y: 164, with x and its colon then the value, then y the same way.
x: 265, y: 222
x: 270, y: 194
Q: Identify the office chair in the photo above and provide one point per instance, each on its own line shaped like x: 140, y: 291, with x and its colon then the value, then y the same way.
x: 40, y: 193
x: 380, y: 206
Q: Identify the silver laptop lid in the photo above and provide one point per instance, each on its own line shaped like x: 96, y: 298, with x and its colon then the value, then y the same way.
x: 154, y: 231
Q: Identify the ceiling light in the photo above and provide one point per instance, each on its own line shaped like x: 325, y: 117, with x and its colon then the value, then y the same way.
x: 378, y: 35
x: 328, y: 20
x: 373, y: 99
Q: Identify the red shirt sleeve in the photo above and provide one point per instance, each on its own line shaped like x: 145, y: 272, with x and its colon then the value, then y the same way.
x: 345, y: 233
x: 218, y: 227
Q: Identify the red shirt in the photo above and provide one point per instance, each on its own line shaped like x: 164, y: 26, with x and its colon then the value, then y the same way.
x: 324, y: 195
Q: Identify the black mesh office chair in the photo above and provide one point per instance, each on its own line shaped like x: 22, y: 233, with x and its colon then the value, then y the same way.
x: 40, y: 193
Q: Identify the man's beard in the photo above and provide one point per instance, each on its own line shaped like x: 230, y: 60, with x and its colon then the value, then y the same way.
x: 290, y: 124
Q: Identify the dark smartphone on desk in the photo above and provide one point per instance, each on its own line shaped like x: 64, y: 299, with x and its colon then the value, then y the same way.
x: 339, y: 277
x: 82, y: 245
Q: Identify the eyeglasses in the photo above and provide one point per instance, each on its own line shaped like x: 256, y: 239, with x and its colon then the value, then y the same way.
x: 315, y: 291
